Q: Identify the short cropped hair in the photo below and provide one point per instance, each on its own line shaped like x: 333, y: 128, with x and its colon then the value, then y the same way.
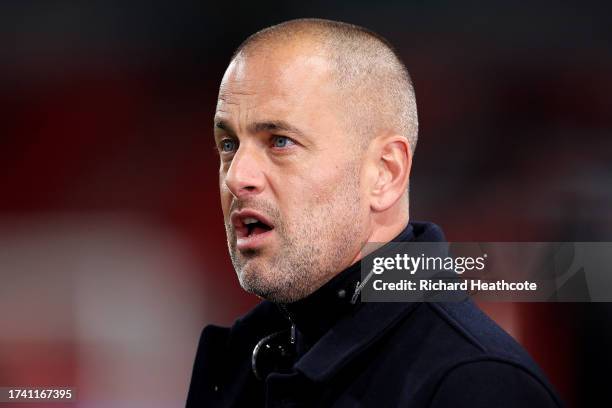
x: 372, y: 79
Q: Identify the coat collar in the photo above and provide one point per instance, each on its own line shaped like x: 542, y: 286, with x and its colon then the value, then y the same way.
x: 364, y: 325
x: 350, y: 337
x: 316, y: 314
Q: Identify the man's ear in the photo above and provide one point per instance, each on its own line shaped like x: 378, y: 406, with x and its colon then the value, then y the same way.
x: 393, y: 161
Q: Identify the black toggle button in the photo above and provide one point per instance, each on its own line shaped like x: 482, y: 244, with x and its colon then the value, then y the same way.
x: 274, y: 353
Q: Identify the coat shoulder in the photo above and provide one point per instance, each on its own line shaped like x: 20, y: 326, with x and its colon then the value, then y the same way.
x: 462, y: 349
x: 477, y: 335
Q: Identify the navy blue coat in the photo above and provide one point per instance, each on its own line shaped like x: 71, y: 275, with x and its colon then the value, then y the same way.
x: 371, y: 355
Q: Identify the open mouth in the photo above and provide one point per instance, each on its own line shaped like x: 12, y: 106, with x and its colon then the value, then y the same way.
x: 254, y: 226
x: 252, y: 229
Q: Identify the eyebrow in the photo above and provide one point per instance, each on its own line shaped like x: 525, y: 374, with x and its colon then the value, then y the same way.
x: 256, y: 127
x: 223, y: 125
x: 274, y: 126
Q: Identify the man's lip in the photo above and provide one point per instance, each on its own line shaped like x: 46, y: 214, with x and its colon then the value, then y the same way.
x: 237, y: 218
x: 243, y: 239
x: 253, y: 241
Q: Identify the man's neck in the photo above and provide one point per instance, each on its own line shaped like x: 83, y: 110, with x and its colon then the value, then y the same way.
x: 381, y: 234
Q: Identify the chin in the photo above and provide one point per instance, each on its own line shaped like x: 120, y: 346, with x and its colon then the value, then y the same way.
x: 255, y: 280
x: 265, y: 285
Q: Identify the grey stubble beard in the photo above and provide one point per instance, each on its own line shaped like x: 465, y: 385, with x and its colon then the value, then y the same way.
x: 309, y: 254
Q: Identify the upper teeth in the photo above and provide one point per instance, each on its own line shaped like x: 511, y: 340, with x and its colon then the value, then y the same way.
x: 250, y: 221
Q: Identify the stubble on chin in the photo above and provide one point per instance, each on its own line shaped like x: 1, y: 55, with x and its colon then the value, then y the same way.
x: 298, y: 267
x: 309, y: 253
x: 277, y: 278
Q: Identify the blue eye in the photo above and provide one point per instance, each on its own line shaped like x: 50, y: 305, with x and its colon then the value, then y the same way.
x: 228, y: 145
x: 281, y: 141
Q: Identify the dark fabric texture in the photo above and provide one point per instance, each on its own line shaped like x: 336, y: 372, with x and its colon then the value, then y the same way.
x: 370, y: 354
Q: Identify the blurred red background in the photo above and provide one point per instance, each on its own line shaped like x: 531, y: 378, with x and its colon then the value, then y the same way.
x: 112, y: 246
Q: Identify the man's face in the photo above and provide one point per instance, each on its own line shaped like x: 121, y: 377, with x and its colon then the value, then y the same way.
x: 289, y: 175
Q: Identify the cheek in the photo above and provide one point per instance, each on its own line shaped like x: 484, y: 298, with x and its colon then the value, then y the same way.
x: 296, y: 199
x: 324, y: 190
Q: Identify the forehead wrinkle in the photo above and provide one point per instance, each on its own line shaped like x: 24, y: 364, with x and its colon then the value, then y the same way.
x: 252, y: 92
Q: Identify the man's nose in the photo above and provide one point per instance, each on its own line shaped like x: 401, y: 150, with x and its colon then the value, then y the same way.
x: 245, y: 175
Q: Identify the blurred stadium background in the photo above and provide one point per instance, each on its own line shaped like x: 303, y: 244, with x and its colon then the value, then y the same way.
x: 112, y: 247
